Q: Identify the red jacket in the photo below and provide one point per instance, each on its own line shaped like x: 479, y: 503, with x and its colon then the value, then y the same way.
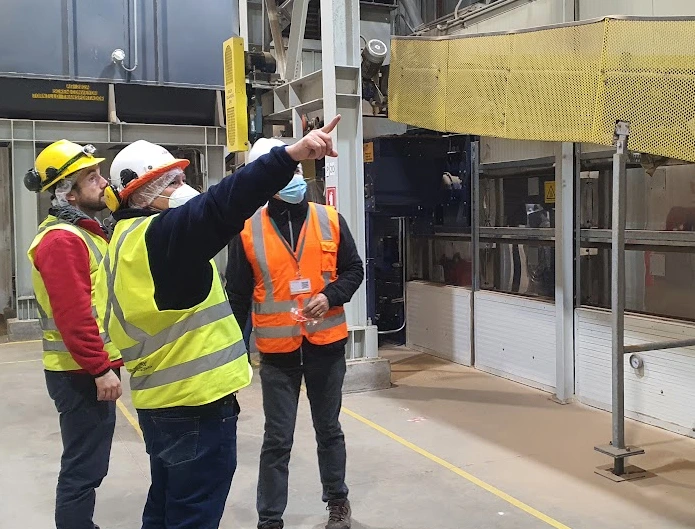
x: 62, y: 259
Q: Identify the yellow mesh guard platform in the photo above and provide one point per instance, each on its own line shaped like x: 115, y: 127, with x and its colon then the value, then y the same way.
x: 564, y: 83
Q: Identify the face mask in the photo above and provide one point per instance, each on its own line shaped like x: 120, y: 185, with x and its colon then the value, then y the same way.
x: 293, y: 193
x: 182, y: 195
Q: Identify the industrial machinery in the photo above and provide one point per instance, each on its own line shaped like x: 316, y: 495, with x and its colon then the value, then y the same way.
x: 416, y: 183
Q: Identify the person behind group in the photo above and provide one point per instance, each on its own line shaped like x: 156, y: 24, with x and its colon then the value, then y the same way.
x: 163, y: 304
x: 81, y: 370
x: 297, y: 260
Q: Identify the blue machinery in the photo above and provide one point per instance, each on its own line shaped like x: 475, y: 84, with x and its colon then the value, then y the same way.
x: 417, y: 183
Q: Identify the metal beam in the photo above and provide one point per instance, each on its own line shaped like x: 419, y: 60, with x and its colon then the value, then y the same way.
x: 295, y: 45
x: 475, y: 237
x: 618, y: 294
x: 658, y: 346
x: 244, y: 22
x: 564, y: 272
x: 643, y: 238
x: 25, y: 204
x: 342, y: 94
x: 617, y: 449
x: 276, y: 32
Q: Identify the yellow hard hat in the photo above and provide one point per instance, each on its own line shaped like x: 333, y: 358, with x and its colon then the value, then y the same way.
x: 57, y: 161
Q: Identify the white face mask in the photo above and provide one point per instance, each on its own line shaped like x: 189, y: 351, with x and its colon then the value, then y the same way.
x: 182, y: 195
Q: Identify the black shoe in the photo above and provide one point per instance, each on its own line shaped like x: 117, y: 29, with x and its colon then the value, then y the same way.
x: 339, y: 514
x: 272, y: 525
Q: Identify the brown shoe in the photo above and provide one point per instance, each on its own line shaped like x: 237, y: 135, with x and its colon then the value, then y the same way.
x: 339, y: 514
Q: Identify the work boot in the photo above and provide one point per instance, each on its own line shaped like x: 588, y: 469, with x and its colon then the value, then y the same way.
x: 339, y: 514
x: 271, y: 525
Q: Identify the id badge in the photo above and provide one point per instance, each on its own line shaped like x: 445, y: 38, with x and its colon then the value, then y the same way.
x: 300, y: 286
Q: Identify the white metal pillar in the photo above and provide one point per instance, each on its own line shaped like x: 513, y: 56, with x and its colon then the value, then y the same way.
x: 565, y: 248
x: 564, y: 271
x: 244, y: 22
x: 6, y: 271
x: 342, y: 94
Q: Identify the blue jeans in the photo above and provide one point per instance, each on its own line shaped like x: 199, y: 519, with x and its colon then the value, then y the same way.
x: 192, y: 461
x: 323, y: 376
x: 86, y: 428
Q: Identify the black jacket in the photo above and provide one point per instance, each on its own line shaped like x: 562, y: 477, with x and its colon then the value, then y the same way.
x: 182, y: 241
x: 240, y: 280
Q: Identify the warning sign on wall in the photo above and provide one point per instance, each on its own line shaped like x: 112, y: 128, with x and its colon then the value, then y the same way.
x: 368, y: 152
x: 550, y: 192
x: 331, y: 196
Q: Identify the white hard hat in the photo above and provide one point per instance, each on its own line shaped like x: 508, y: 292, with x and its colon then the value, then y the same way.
x: 147, y: 160
x: 261, y: 147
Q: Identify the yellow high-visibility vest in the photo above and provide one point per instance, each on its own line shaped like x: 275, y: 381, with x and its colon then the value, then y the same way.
x: 185, y: 357
x: 56, y: 356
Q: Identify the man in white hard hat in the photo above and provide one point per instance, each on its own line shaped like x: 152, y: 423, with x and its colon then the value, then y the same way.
x: 162, y: 302
x: 81, y: 366
x: 296, y: 263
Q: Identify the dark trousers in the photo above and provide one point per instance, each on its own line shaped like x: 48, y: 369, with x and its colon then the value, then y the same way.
x: 192, y: 461
x: 280, y: 384
x: 86, y: 428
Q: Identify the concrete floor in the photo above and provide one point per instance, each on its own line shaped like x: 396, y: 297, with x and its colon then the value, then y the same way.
x: 447, y: 447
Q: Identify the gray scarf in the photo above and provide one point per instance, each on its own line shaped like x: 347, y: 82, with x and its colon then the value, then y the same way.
x: 69, y: 214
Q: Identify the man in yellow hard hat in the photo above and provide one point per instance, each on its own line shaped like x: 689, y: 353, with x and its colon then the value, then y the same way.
x: 161, y: 299
x: 81, y: 365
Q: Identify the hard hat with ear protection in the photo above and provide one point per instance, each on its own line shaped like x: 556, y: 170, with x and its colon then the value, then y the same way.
x: 58, y: 161
x: 136, y: 165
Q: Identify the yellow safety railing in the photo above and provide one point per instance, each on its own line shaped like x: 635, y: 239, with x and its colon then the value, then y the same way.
x: 560, y: 83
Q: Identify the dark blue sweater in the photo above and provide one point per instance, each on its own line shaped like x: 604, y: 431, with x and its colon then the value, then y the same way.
x: 181, y: 241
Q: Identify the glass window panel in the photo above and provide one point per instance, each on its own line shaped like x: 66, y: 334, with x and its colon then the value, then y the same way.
x: 440, y: 260
x: 527, y: 269
x: 518, y: 201
x: 662, y: 202
x: 656, y: 282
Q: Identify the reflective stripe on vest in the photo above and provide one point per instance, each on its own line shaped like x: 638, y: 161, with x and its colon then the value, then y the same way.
x: 176, y: 331
x: 189, y: 369
x: 295, y: 330
x: 112, y: 304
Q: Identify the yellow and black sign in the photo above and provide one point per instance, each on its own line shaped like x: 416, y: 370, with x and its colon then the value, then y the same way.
x: 49, y: 99
x: 71, y: 92
x: 550, y: 192
x: 368, y: 152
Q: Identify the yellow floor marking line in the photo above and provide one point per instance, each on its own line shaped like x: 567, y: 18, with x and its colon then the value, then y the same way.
x: 456, y: 470
x: 5, y: 344
x: 20, y: 361
x: 129, y: 417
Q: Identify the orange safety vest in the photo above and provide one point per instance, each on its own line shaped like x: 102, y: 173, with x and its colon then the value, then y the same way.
x: 275, y: 266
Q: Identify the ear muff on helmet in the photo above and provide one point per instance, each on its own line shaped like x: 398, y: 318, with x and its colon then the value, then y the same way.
x: 112, y: 198
x: 32, y: 180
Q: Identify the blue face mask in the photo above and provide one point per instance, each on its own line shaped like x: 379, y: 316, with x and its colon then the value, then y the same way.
x: 293, y: 193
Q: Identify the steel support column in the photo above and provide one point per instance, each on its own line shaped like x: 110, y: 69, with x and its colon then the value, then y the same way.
x: 475, y: 236
x: 276, y: 32
x: 342, y: 89
x: 564, y: 272
x: 617, y: 449
x: 26, y: 214
x: 295, y: 44
x: 244, y: 22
